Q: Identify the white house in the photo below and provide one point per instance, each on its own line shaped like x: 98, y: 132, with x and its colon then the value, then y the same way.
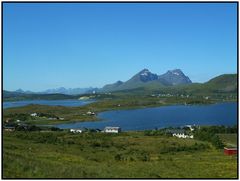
x: 110, y: 129
x: 179, y: 133
x: 33, y: 114
x: 90, y: 113
x: 182, y: 135
x: 76, y: 130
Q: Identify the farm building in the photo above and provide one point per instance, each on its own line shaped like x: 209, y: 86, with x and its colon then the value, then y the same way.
x: 9, y: 128
x: 34, y: 114
x: 230, y: 151
x: 90, y: 113
x: 112, y: 129
x: 79, y: 130
x: 179, y: 133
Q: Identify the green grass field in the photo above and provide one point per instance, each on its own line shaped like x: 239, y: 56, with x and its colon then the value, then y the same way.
x: 99, y: 155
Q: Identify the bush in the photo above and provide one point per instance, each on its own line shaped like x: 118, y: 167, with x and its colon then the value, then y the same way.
x: 33, y: 128
x: 209, y: 134
x: 215, y: 140
x: 155, y: 133
x: 96, y: 144
x: 55, y: 129
x: 118, y: 157
x: 178, y: 148
x: 145, y: 157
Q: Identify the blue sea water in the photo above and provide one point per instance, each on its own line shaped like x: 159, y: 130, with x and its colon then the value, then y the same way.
x: 165, y: 116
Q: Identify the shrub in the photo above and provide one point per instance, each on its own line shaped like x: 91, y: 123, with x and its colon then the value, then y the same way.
x: 96, y: 144
x: 217, y: 142
x: 55, y: 129
x: 118, y: 157
x: 209, y: 134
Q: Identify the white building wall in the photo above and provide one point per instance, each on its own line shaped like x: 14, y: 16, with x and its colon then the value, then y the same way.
x: 111, y: 131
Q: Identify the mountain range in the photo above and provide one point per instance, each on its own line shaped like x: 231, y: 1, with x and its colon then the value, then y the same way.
x: 172, y: 81
x: 61, y: 90
x: 145, y: 78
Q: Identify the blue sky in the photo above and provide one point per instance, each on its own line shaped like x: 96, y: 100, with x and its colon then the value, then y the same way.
x: 50, y: 45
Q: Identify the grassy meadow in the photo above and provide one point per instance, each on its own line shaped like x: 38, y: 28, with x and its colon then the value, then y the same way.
x: 98, y: 155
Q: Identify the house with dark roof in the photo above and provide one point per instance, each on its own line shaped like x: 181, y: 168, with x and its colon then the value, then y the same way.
x: 110, y: 129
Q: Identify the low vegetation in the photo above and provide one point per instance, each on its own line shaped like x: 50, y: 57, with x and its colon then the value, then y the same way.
x: 211, y: 134
x: 61, y: 154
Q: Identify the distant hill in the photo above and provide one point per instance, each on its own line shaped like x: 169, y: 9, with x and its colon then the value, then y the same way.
x: 70, y: 91
x: 17, y: 96
x: 61, y: 90
x: 223, y: 83
x: 8, y: 94
x: 110, y: 87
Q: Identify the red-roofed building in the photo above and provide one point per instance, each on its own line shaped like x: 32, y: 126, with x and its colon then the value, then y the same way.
x: 230, y: 151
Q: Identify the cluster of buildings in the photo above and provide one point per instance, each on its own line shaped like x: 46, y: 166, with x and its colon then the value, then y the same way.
x: 179, y: 133
x: 182, y: 133
x: 89, y: 113
x: 170, y: 95
x: 50, y: 118
x: 162, y: 95
x: 108, y: 129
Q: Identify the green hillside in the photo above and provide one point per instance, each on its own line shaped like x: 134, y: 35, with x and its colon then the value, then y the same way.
x: 223, y: 83
x: 16, y: 96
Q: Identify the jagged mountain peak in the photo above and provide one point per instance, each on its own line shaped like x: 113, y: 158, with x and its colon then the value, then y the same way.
x: 175, y: 77
x: 145, y: 75
x: 144, y: 70
x: 176, y: 72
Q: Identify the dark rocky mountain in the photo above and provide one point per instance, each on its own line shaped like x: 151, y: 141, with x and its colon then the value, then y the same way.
x: 141, y: 79
x: 145, y: 75
x: 175, y: 77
